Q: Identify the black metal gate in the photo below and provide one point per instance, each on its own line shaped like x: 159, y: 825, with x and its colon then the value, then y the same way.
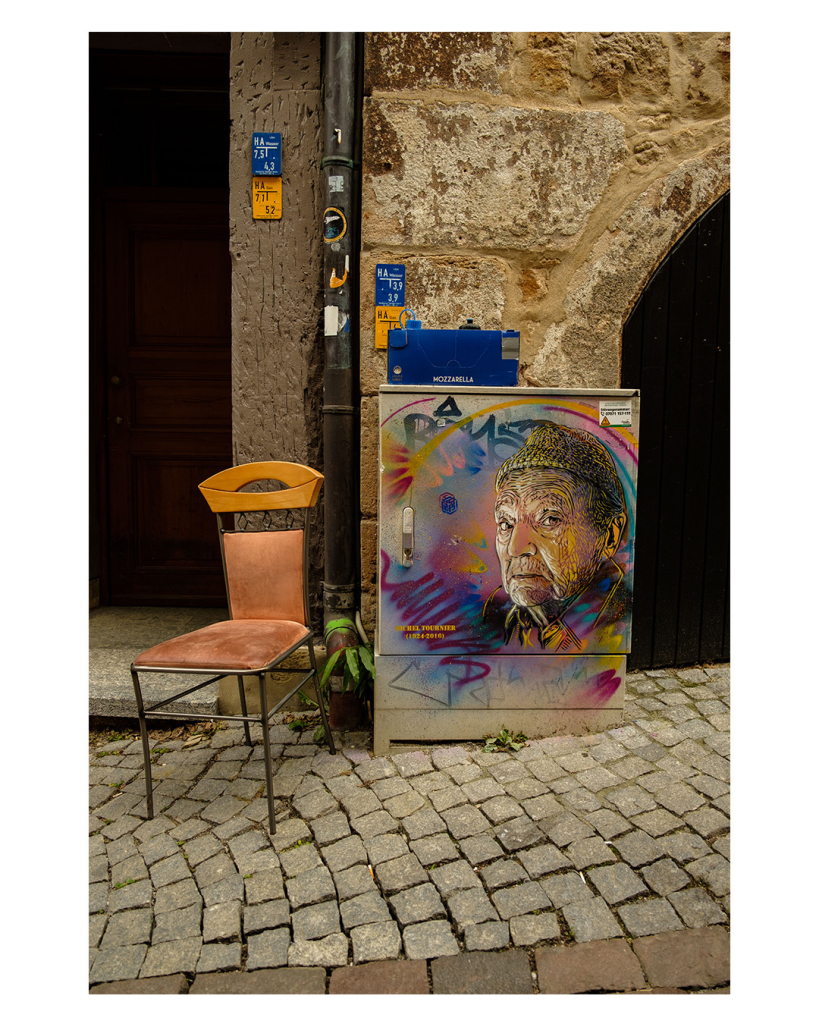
x: 675, y: 349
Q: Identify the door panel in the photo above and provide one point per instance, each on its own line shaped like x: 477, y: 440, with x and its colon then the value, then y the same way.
x: 168, y: 381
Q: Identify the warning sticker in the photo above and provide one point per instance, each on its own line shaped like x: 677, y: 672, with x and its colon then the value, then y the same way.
x: 386, y: 320
x: 615, y: 413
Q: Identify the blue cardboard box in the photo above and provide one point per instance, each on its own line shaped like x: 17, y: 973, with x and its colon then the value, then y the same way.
x: 463, y: 357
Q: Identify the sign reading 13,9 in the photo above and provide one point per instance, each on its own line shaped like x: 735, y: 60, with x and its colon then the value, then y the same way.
x: 267, y: 198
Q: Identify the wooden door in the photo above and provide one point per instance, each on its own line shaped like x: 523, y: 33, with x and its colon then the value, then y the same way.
x: 676, y: 350
x: 167, y: 336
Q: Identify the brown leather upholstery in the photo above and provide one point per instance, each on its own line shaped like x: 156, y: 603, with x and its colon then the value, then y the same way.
x: 236, y: 645
x: 264, y: 573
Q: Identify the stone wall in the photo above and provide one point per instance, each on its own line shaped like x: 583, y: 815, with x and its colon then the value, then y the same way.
x: 532, y: 181
x: 277, y: 265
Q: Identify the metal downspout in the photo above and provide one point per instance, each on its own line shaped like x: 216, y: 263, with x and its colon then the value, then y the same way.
x: 340, y: 166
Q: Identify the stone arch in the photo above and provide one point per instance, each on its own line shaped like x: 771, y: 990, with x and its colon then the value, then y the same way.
x: 583, y: 349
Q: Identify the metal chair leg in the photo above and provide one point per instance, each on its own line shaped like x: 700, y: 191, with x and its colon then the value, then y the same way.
x: 146, y: 752
x: 243, y: 703
x: 268, y: 772
x: 320, y: 698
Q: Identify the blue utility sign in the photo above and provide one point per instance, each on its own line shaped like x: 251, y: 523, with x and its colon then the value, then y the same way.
x: 390, y: 284
x: 267, y: 153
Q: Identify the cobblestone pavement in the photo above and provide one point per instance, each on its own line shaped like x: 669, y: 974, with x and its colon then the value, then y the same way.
x: 596, y: 863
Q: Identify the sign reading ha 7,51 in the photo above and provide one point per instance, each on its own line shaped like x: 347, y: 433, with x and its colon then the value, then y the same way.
x: 267, y: 153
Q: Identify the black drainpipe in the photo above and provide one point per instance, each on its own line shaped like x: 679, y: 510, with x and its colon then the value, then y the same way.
x: 341, y: 229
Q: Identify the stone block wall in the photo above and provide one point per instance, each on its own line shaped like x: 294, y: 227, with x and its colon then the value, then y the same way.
x: 532, y: 181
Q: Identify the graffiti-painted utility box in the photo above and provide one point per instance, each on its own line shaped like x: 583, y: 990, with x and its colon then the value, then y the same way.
x: 506, y: 534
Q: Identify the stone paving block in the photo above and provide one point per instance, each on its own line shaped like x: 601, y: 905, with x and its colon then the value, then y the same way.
x: 597, y: 778
x: 565, y: 889
x: 637, y: 848
x: 267, y: 949
x: 131, y: 897
x: 443, y: 799
x: 209, y: 789
x: 379, y: 941
x: 385, y: 847
x: 509, y: 771
x: 696, y: 908
x: 421, y: 903
x: 175, y: 985
x: 665, y: 877
x: 220, y: 956
x: 693, y: 958
x: 311, y: 887
x: 284, y: 981
x: 591, y: 919
x: 329, y: 765
x: 118, y: 963
x: 520, y: 899
x: 482, y: 789
x: 263, y: 886
x: 649, y: 917
x: 359, y: 802
x: 707, y: 821
x: 426, y: 785
x: 723, y: 846
x: 428, y: 940
x: 288, y: 833
x: 585, y: 853
x: 454, y: 877
x: 316, y: 922
x: 353, y: 881
x: 631, y: 767
x: 423, y: 823
x: 617, y: 882
x: 465, y: 821
x: 186, y: 830
x: 376, y: 768
x: 213, y: 870
x: 525, y: 789
x: 502, y: 873
x: 222, y: 922
x: 463, y: 773
x: 530, y: 929
x: 394, y: 978
x: 479, y: 973
x: 448, y: 757
x: 129, y: 928
x: 232, y: 887
x: 608, y: 823
x: 156, y: 849
x: 385, y: 789
x: 656, y: 782
x: 172, y: 958
x: 714, y: 871
x: 328, y: 952
x: 264, y: 916
x: 364, y: 909
x: 581, y: 800
x: 631, y: 800
x: 657, y: 823
x: 96, y: 927
x: 345, y: 854
x: 176, y: 897
x: 435, y: 849
x: 375, y: 824
x: 480, y: 849
x: 606, y: 965
x: 607, y: 751
x: 315, y: 804
x: 542, y: 860
x: 299, y: 859
x: 470, y: 906
x: 119, y: 850
x: 518, y: 833
x: 566, y: 829
x: 413, y: 763
x: 131, y: 870
x: 501, y: 808
x: 485, y: 936
x: 401, y: 873
x: 330, y: 827
x: 178, y: 924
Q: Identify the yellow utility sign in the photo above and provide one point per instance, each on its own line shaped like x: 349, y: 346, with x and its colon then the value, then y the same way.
x: 267, y: 198
x: 386, y: 320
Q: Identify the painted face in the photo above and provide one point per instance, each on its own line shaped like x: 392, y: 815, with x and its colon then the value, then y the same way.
x: 547, y: 545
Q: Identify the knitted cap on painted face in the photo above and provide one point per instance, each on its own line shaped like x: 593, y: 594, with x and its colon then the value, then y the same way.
x: 574, y: 451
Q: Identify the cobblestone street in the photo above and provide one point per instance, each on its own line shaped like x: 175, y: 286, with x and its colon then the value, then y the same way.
x: 576, y: 864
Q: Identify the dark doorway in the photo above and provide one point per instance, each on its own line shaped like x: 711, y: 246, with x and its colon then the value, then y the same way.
x: 676, y: 350
x: 160, y: 313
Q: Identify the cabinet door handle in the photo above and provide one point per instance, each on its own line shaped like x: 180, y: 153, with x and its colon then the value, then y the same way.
x: 407, y: 535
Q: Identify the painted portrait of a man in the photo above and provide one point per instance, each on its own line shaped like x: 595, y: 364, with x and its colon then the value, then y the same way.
x: 560, y: 517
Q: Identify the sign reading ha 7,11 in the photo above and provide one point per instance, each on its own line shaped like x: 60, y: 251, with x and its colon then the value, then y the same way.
x: 267, y: 153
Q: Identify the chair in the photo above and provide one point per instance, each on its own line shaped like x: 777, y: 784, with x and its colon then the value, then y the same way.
x: 266, y: 580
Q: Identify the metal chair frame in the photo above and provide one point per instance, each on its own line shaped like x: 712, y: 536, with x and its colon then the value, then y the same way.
x: 221, y: 493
